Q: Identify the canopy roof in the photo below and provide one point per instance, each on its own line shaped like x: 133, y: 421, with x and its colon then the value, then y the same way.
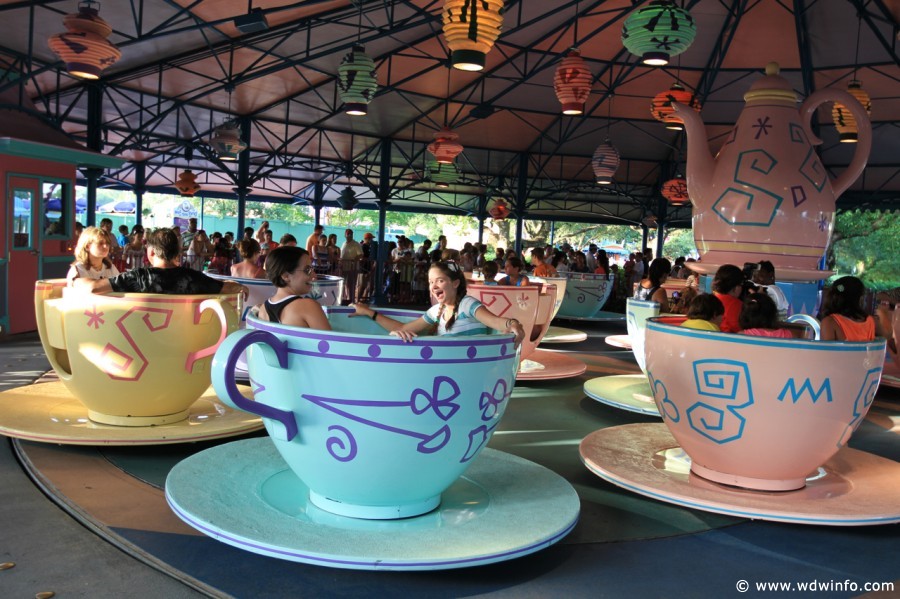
x: 186, y: 68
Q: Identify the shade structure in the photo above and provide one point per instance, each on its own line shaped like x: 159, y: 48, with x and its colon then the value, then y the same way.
x: 661, y: 107
x: 500, y: 209
x: 572, y: 83
x: 187, y: 183
x: 446, y: 146
x: 357, y: 81
x: 843, y: 119
x: 605, y: 163
x: 658, y: 31
x: 676, y: 191
x: 471, y: 27
x: 442, y: 175
x: 227, y: 142
x: 84, y: 47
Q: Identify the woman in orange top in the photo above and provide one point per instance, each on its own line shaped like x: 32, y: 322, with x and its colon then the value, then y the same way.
x: 843, y: 318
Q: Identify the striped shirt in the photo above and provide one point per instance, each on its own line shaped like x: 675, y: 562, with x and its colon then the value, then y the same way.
x: 465, y: 323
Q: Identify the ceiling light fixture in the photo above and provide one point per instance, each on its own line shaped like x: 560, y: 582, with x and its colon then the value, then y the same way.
x: 446, y: 146
x: 675, y: 190
x: 658, y: 31
x: 357, y: 81
x: 84, y: 47
x: 605, y: 163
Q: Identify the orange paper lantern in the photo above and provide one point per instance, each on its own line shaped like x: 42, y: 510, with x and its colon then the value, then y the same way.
x: 84, y: 47
x: 661, y: 107
x: 446, y: 146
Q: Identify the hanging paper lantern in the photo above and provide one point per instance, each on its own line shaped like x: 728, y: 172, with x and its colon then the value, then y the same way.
x: 499, y: 210
x: 187, y: 183
x: 227, y: 142
x: 675, y: 190
x: 661, y: 107
x: 347, y: 199
x: 442, y: 175
x: 658, y: 31
x: 605, y: 163
x: 471, y: 27
x: 843, y: 118
x: 357, y: 82
x: 572, y: 83
x: 84, y: 47
x: 445, y: 146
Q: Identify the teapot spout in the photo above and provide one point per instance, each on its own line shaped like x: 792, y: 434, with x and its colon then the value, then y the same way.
x: 700, y: 163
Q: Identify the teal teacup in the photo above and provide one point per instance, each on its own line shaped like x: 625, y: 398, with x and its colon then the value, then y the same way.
x: 376, y: 428
x: 585, y: 294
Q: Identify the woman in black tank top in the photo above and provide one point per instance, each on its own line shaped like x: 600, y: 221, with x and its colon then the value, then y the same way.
x: 290, y: 270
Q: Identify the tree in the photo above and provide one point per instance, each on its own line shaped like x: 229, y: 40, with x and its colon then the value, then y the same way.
x: 866, y: 244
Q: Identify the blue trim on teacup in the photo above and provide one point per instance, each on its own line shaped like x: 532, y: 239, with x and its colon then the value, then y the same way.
x: 653, y: 324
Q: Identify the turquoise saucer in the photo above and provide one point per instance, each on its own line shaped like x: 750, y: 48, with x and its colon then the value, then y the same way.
x: 243, y: 494
x: 601, y: 316
x: 624, y: 391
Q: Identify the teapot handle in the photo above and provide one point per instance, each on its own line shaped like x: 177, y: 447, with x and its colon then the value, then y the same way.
x: 864, y: 133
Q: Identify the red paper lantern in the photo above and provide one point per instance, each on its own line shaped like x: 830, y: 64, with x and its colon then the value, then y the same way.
x: 572, y: 83
x: 675, y: 190
x: 500, y: 210
x: 661, y: 107
x: 445, y: 146
x: 187, y: 183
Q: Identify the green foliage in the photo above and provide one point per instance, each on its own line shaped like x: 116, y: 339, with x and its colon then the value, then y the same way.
x: 866, y: 244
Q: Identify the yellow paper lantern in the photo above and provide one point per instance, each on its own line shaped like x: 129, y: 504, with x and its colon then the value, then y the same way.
x: 84, y: 47
x: 471, y: 27
x: 843, y: 119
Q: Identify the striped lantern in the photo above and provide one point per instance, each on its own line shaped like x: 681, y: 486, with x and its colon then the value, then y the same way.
x: 661, y: 107
x: 500, y: 210
x: 843, y: 118
x: 446, y: 146
x: 442, y: 175
x: 605, y: 163
x: 675, y: 190
x: 187, y: 183
x: 84, y: 47
x: 471, y: 27
x: 357, y: 81
x: 658, y: 31
x: 227, y: 142
x: 572, y: 83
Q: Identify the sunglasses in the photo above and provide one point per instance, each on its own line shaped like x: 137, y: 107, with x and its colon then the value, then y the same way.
x: 309, y: 270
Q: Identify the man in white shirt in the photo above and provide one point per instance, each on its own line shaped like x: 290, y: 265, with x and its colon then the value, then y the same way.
x: 765, y: 276
x: 351, y: 250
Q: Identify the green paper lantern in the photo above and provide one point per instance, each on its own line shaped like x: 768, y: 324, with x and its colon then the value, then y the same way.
x: 658, y: 31
x: 442, y: 175
x: 357, y: 82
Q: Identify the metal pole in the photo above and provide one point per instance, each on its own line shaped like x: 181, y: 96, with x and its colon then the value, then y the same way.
x: 384, y: 192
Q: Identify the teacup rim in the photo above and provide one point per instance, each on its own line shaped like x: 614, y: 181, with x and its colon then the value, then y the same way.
x: 587, y: 276
x: 384, y: 339
x: 656, y: 323
x: 248, y: 281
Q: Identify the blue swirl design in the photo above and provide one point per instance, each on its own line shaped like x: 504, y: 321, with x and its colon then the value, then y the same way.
x: 862, y: 403
x: 727, y: 385
x: 736, y: 204
x: 336, y: 445
x: 667, y: 408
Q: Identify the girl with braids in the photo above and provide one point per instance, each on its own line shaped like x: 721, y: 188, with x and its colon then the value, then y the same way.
x: 455, y: 313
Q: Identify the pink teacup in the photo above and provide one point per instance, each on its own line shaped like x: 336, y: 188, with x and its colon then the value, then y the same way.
x: 530, y: 305
x: 759, y: 412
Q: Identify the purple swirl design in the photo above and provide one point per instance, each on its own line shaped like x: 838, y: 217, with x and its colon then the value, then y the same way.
x: 490, y: 402
x: 337, y: 446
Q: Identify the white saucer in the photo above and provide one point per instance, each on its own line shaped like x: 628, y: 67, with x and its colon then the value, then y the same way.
x: 243, y: 494
x: 563, y: 335
x: 543, y: 365
x: 48, y: 413
x: 620, y: 341
x: 625, y: 391
x: 854, y: 488
x: 598, y: 317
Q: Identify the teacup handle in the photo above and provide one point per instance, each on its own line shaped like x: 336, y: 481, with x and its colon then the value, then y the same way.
x: 226, y: 319
x: 224, y: 364
x: 808, y: 320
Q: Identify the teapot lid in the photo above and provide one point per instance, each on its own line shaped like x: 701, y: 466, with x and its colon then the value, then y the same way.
x: 771, y: 87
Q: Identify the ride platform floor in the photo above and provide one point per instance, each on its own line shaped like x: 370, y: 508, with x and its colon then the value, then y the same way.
x: 86, y: 522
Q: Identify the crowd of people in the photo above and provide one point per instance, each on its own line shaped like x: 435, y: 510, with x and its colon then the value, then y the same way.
x: 169, y: 260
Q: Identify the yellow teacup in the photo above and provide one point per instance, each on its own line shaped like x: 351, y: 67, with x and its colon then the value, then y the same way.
x: 133, y: 359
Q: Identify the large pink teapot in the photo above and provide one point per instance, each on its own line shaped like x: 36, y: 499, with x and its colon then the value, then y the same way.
x: 766, y: 196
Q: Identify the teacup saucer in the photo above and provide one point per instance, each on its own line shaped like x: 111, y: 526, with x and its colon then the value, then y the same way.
x: 598, y: 317
x: 625, y: 391
x: 620, y: 341
x: 502, y: 508
x: 47, y: 412
x: 543, y: 365
x: 563, y: 335
x: 784, y: 274
x: 854, y: 488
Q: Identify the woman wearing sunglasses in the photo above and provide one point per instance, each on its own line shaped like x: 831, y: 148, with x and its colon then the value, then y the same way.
x: 290, y: 270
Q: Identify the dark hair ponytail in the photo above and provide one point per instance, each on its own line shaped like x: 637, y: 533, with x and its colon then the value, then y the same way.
x: 453, y: 272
